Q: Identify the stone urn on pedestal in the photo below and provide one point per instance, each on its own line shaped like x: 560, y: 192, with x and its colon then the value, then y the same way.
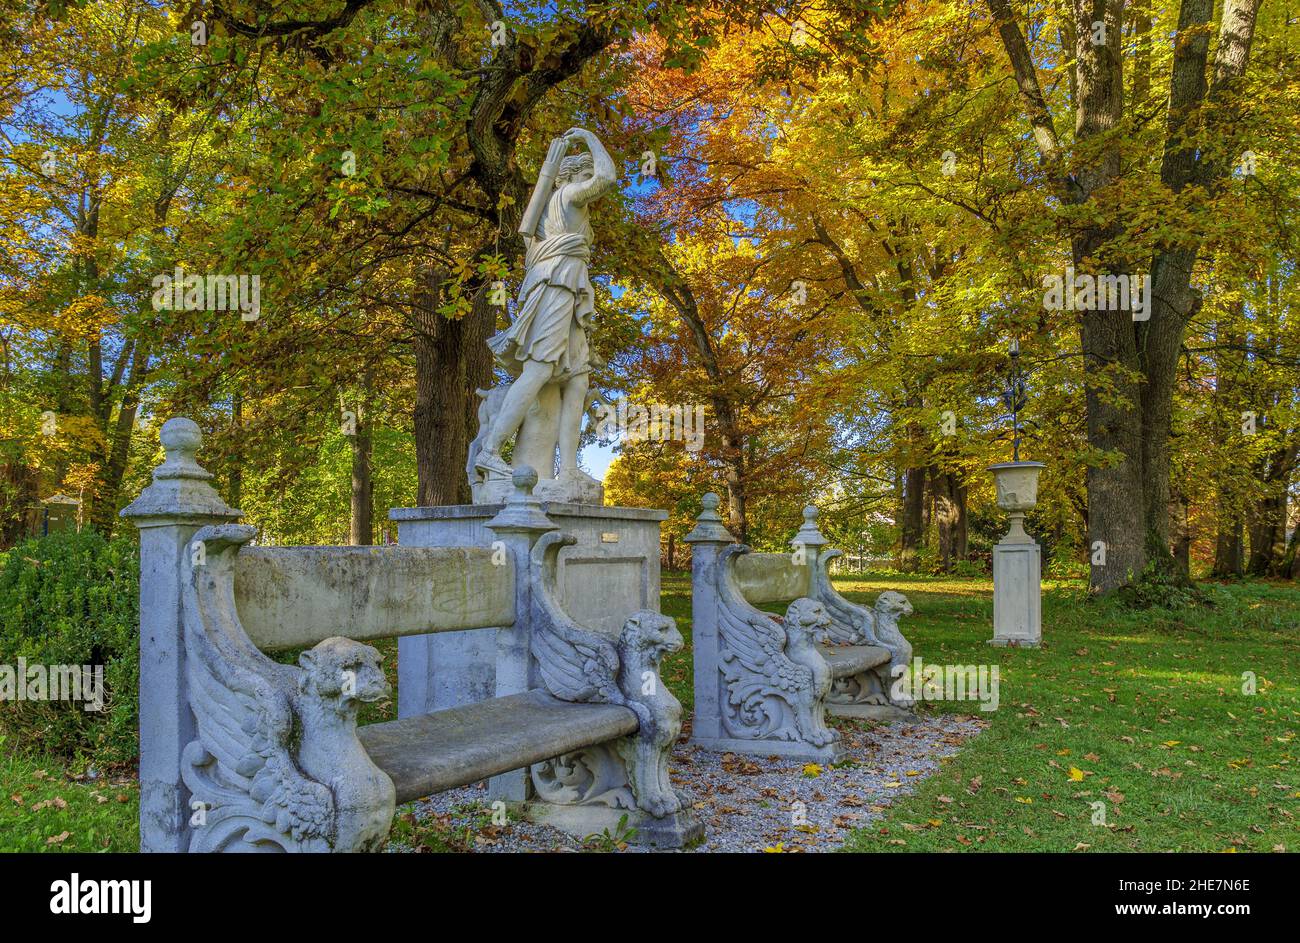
x: 1017, y: 559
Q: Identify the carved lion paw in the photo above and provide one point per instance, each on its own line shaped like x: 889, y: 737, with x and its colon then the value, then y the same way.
x: 820, y: 738
x: 661, y: 803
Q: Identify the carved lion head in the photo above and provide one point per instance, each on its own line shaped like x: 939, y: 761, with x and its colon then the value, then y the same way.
x: 810, y: 616
x: 341, y: 668
x: 894, y: 604
x: 645, y: 630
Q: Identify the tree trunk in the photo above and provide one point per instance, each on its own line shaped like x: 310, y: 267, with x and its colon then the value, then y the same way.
x: 1228, y: 554
x: 950, y: 516
x: 1182, y: 533
x: 912, y: 527
x: 1267, y: 535
x: 118, y: 442
x: 361, y: 531
x: 737, y: 512
x: 452, y: 362
x: 236, y: 452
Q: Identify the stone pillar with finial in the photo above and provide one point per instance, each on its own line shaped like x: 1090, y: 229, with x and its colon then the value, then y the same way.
x: 1017, y: 560
x: 808, y: 543
x: 168, y: 512
x: 517, y: 525
x: 707, y: 541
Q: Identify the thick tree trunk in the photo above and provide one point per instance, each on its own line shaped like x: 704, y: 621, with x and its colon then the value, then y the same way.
x: 439, y: 394
x: 950, y: 516
x: 426, y: 459
x: 912, y: 530
x: 1267, y: 535
x: 452, y: 361
x: 734, y: 461
x: 1229, y: 562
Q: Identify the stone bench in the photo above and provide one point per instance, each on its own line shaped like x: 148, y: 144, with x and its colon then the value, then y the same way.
x: 239, y: 752
x: 763, y: 684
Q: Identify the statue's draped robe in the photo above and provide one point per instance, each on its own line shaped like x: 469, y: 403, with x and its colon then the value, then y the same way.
x: 555, y: 301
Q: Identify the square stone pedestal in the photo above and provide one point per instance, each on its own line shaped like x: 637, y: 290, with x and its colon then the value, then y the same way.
x: 1017, y: 594
x: 611, y: 572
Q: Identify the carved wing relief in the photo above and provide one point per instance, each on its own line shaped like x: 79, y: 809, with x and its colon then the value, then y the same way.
x: 576, y: 664
x: 761, y: 687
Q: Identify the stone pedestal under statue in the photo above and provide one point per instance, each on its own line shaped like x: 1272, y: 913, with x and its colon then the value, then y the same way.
x: 611, y: 572
x: 1017, y: 560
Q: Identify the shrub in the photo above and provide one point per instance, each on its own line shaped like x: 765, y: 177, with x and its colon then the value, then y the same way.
x: 974, y: 568
x: 73, y: 599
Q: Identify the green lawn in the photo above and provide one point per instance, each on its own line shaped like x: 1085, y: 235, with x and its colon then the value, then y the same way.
x: 47, y: 807
x: 1146, y: 707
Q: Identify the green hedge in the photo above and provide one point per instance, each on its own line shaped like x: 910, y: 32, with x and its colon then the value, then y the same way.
x: 73, y: 599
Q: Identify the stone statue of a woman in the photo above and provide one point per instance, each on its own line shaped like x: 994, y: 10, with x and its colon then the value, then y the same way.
x: 546, y: 349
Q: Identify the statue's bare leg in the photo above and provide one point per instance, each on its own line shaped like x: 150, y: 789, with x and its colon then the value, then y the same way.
x: 522, y: 395
x: 535, y: 444
x: 573, y: 406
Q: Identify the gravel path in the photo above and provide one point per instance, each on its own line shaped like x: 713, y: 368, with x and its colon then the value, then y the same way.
x: 752, y: 804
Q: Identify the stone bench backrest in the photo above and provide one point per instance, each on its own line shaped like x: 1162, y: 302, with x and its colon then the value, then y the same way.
x: 771, y: 577
x: 291, y: 597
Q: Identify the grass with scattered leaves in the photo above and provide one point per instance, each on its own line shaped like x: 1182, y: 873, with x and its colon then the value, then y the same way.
x: 48, y: 808
x: 1126, y: 731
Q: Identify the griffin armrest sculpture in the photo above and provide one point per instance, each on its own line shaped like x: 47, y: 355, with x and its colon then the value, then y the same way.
x: 851, y: 624
x: 578, y: 664
x: 776, y: 679
x: 760, y: 681
x: 277, y: 765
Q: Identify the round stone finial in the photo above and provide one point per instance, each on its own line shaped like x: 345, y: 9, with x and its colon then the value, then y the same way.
x: 710, y: 501
x: 810, y: 514
x: 524, y: 478
x: 181, y: 438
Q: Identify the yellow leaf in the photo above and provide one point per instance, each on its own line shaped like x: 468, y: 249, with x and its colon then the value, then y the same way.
x: 812, y: 770
x: 1076, y: 774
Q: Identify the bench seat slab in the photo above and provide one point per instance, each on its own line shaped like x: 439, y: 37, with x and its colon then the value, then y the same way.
x: 430, y: 753
x: 848, y: 660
